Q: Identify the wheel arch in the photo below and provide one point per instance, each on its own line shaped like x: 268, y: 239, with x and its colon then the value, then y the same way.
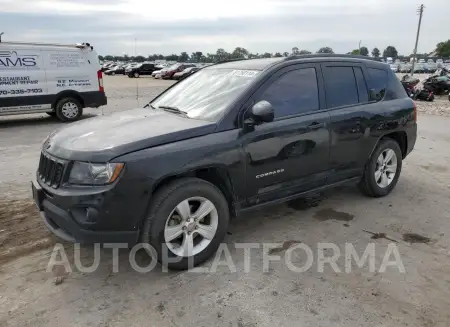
x: 399, y: 136
x: 216, y: 175
x: 68, y: 94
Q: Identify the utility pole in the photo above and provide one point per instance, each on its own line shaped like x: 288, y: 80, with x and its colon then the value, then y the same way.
x: 420, y: 11
x: 359, y: 47
x: 1, y: 36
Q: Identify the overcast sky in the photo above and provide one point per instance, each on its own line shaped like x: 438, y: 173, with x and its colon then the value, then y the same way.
x: 196, y: 25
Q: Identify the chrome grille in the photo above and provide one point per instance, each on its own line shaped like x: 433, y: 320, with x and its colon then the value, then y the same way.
x: 50, y: 170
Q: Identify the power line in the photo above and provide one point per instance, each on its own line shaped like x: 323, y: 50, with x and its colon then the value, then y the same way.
x: 420, y: 11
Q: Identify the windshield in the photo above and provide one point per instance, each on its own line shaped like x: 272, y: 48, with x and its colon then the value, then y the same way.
x: 206, y: 94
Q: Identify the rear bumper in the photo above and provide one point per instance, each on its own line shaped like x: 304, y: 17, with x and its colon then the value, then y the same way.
x: 62, y: 224
x: 411, y: 138
x: 94, y: 99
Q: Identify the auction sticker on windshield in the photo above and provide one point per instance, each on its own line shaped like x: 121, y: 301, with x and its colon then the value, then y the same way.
x: 244, y: 73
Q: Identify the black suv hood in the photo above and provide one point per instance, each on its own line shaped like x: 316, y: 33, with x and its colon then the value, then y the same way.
x: 103, y: 138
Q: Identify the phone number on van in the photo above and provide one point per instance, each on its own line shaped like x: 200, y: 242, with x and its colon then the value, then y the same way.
x: 21, y: 91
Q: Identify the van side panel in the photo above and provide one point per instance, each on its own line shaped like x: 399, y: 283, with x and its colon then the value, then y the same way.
x: 23, y: 86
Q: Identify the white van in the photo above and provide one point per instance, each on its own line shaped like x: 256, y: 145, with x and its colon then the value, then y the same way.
x: 57, y: 79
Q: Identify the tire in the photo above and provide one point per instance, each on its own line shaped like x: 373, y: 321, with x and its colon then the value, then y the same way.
x: 136, y: 75
x: 51, y: 113
x: 113, y: 74
x: 375, y: 188
x: 162, y: 211
x: 68, y: 109
x: 130, y: 76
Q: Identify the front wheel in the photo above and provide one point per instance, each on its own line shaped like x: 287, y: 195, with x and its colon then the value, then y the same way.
x: 382, y: 170
x: 188, y: 220
x: 136, y: 75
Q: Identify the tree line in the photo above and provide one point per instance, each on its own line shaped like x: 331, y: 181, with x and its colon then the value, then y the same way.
x: 442, y: 50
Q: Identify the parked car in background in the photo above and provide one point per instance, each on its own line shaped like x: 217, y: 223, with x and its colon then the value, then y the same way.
x: 405, y: 68
x: 172, y: 70
x: 394, y: 67
x: 142, y: 69
x: 157, y: 73
x: 185, y: 73
x: 119, y: 69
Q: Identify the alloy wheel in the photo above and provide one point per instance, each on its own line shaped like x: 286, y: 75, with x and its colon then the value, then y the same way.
x: 191, y: 226
x: 386, y: 168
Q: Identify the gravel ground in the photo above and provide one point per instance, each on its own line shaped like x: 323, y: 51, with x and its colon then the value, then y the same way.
x: 276, y: 296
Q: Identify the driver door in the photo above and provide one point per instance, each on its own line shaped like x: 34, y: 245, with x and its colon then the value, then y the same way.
x: 289, y: 155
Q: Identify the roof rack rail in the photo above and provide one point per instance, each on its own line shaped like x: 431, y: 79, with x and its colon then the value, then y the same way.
x: 78, y: 45
x: 321, y: 55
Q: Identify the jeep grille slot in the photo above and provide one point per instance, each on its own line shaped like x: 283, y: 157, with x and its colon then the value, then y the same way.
x: 50, y: 170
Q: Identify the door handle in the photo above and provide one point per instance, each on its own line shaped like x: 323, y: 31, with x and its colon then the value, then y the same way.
x: 316, y: 125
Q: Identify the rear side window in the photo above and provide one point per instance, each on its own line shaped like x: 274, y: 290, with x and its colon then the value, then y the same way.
x: 293, y: 93
x: 378, y: 82
x: 363, y: 94
x: 340, y: 86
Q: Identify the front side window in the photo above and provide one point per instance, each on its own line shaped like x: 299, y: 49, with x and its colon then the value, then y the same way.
x: 206, y: 94
x: 340, y: 86
x: 293, y: 93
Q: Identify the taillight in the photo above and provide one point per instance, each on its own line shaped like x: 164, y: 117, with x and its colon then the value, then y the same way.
x: 415, y: 112
x: 100, y: 81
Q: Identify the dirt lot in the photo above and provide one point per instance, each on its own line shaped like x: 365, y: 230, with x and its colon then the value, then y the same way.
x: 420, y: 204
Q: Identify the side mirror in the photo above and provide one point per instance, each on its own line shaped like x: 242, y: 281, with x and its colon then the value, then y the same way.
x: 262, y: 112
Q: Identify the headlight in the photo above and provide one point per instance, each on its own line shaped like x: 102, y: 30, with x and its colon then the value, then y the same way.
x: 85, y: 173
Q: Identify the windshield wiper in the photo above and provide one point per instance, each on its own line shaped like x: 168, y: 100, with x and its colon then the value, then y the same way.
x: 149, y: 105
x: 175, y: 110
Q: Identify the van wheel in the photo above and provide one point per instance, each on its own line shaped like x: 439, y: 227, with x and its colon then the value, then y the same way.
x: 136, y: 75
x: 68, y: 109
x: 383, y: 169
x: 188, y: 219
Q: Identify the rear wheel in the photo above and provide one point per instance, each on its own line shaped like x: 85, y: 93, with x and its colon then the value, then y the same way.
x: 188, y: 220
x: 68, y: 109
x: 136, y: 75
x: 382, y: 170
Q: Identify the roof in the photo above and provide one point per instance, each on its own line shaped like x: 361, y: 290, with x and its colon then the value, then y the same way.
x: 250, y: 64
x: 264, y: 63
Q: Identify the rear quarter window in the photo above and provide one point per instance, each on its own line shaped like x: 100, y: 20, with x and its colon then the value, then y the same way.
x: 378, y: 81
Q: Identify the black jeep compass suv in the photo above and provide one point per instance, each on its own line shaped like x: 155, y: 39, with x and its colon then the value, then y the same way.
x: 231, y: 137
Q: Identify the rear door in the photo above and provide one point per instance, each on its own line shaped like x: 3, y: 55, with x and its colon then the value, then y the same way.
x: 352, y: 117
x: 289, y: 155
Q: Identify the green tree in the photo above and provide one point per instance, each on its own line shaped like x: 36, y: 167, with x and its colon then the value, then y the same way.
x: 325, y: 50
x: 266, y: 55
x: 304, y: 52
x: 294, y: 51
x: 221, y: 54
x: 390, y: 51
x: 376, y: 53
x: 286, y: 54
x: 139, y: 59
x: 364, y: 51
x: 183, y: 57
x: 240, y: 53
x: 355, y: 52
x: 108, y: 58
x: 277, y: 54
x: 443, y: 49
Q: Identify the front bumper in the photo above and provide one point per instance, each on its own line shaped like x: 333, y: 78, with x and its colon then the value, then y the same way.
x: 61, y: 222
